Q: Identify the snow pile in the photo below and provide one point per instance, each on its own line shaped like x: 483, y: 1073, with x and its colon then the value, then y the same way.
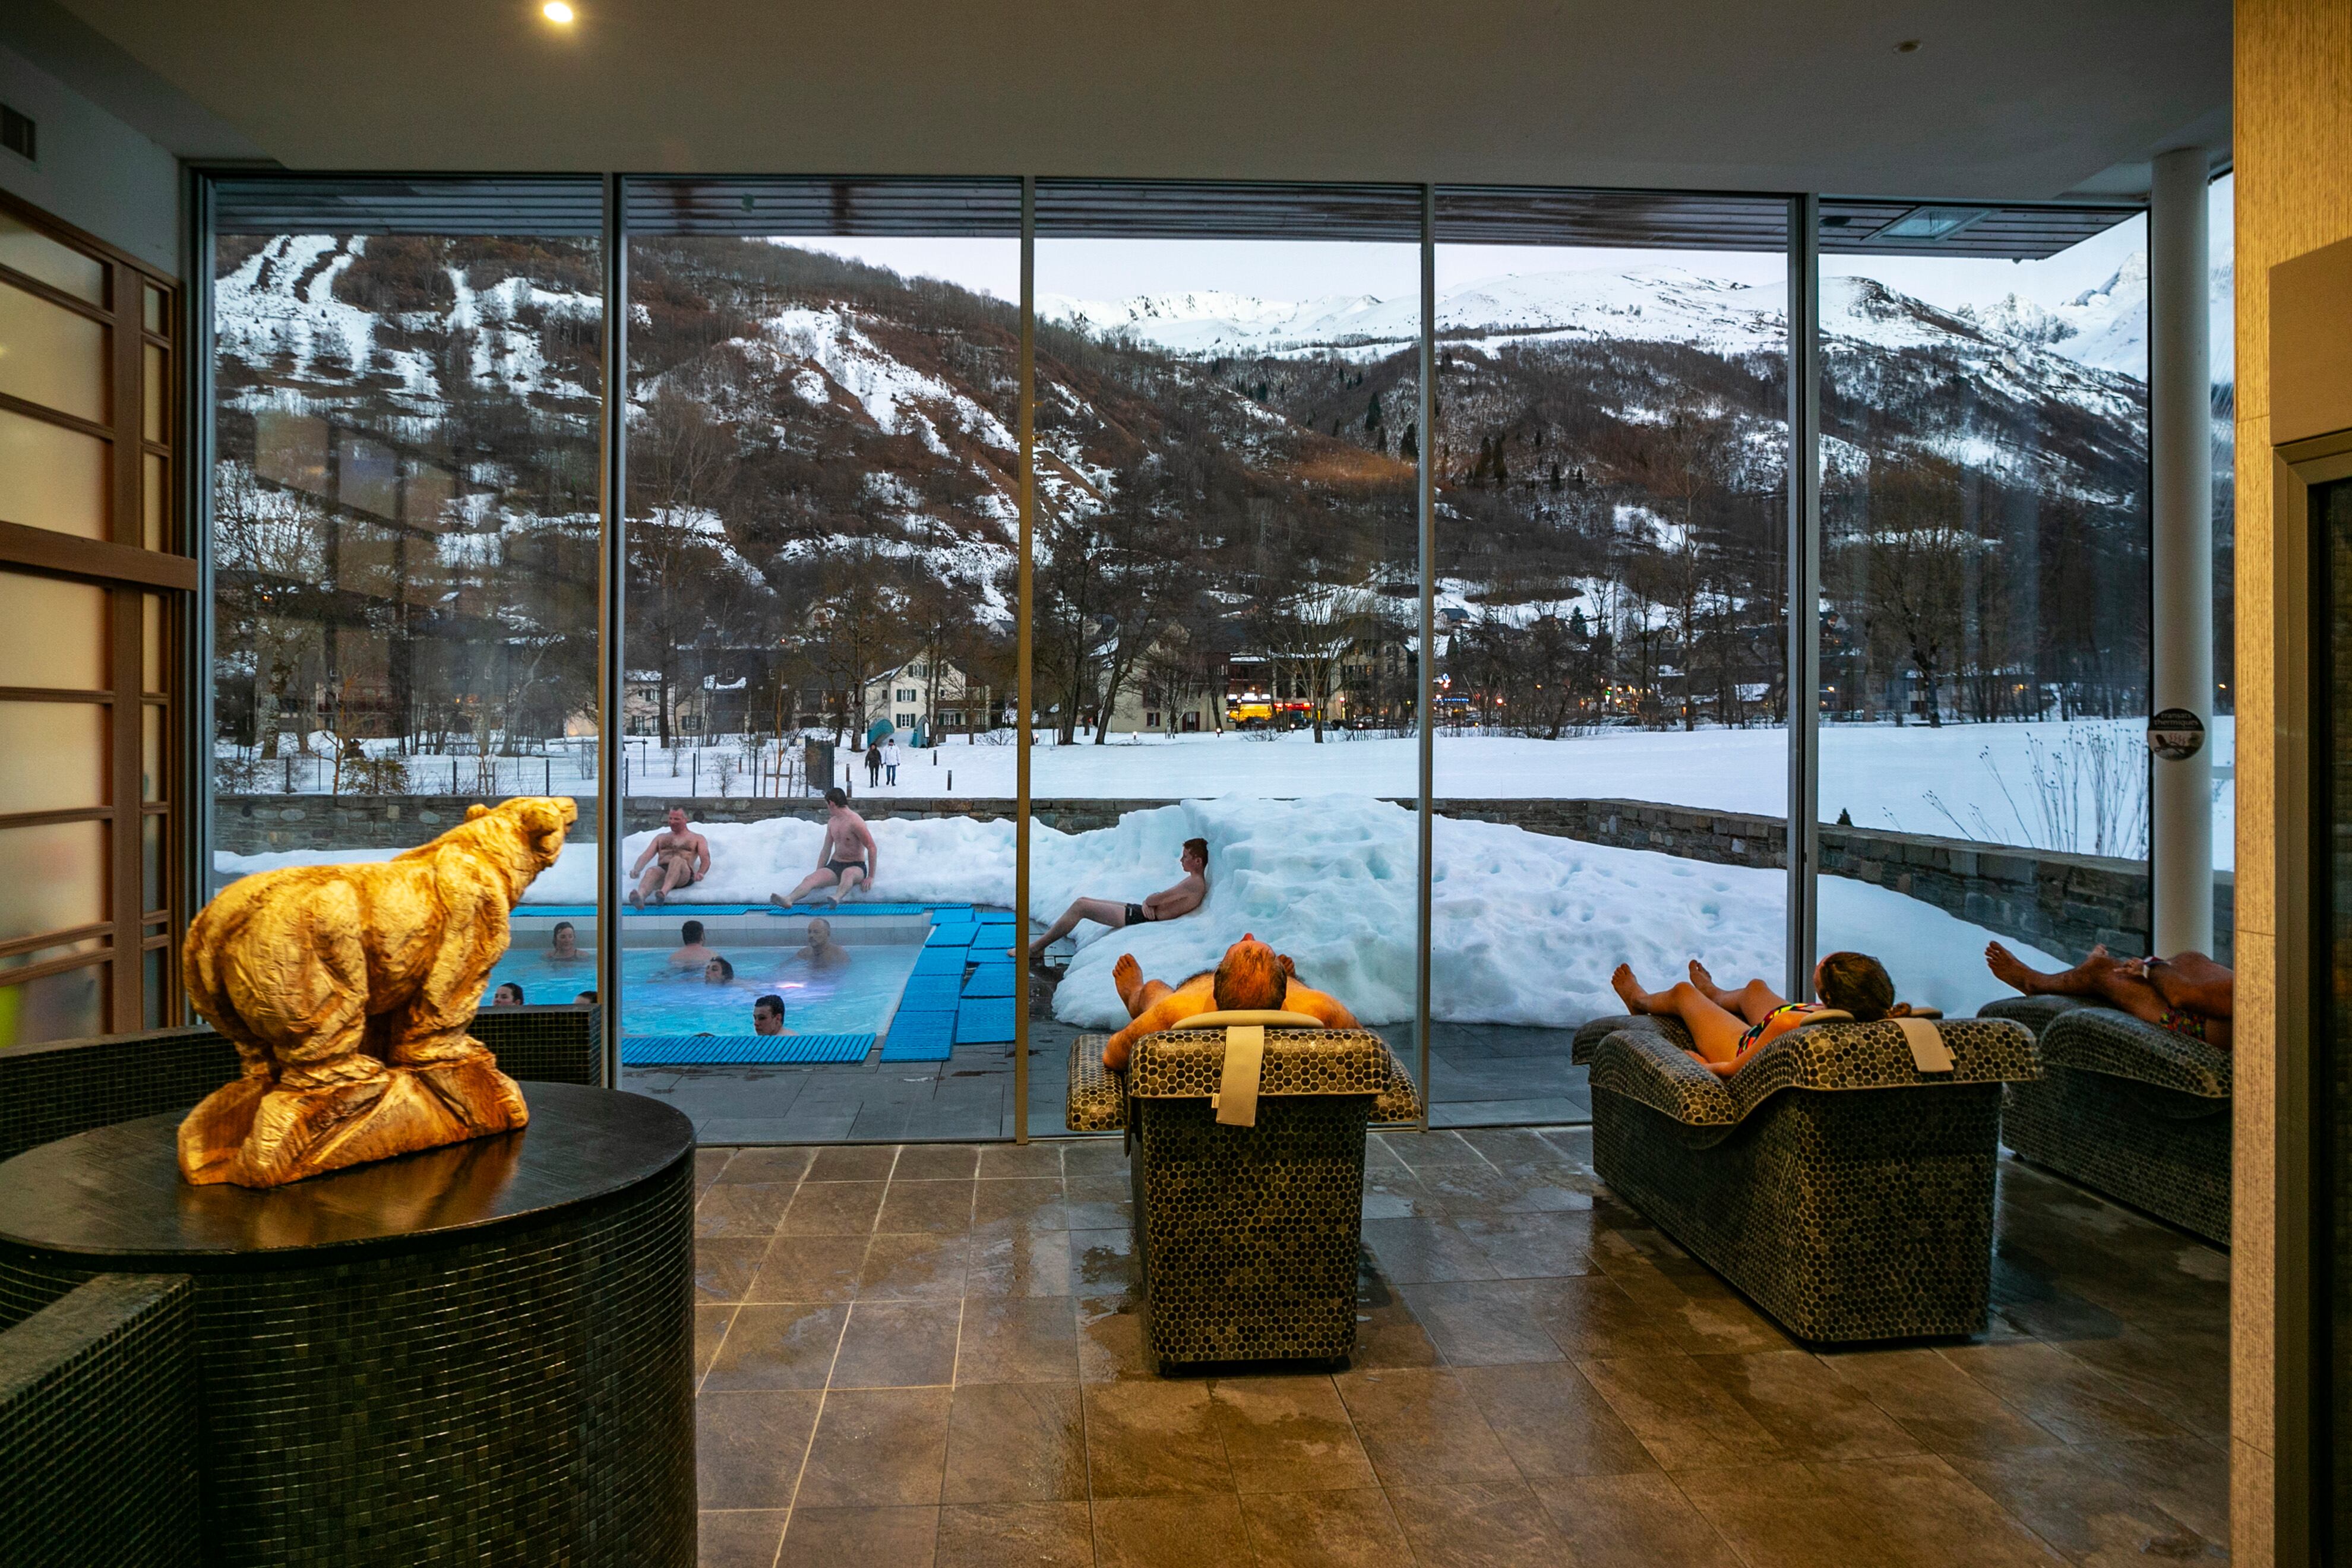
x: 1526, y: 927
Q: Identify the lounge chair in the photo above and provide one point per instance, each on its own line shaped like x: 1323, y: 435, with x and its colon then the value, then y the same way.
x: 2126, y: 1108
x: 1245, y: 1133
x: 1843, y: 1178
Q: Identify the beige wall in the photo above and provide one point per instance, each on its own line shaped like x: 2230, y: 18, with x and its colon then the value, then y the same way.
x: 2293, y: 143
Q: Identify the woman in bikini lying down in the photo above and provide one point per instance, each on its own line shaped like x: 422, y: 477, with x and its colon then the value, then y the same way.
x: 1729, y: 1026
x: 2188, y: 993
x: 1251, y: 977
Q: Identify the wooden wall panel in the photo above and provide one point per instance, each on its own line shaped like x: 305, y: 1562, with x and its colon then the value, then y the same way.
x: 2292, y: 142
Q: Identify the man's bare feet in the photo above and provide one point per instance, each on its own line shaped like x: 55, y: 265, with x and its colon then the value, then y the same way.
x: 1628, y: 990
x: 2009, y: 972
x: 636, y: 899
x: 1705, y: 982
x: 1127, y: 978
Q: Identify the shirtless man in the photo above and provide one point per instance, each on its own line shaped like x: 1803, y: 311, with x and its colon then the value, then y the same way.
x: 2188, y: 993
x: 1251, y: 977
x: 690, y: 953
x: 680, y: 857
x: 1188, y: 894
x: 767, y: 1016
x: 845, y: 861
x: 822, y: 952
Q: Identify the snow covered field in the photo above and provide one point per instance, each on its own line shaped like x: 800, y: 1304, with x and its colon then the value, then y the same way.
x: 1526, y: 927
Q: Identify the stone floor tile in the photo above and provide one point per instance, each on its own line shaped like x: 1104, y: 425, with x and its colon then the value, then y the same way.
x: 710, y: 1324
x: 786, y: 1164
x: 1323, y: 1530
x: 1015, y: 1535
x: 725, y: 1266
x: 1036, y: 1201
x: 1946, y: 1410
x: 1103, y: 1261
x: 877, y: 1447
x: 897, y: 1344
x: 1012, y: 1257
x: 1015, y: 1443
x: 781, y: 1346
x: 868, y: 1537
x: 1094, y: 1157
x: 2187, y: 1477
x: 1169, y: 1531
x: 1809, y: 1415
x: 748, y: 1446
x: 1782, y: 1514
x: 1099, y: 1203
x: 1924, y: 1511
x: 937, y: 1207
x: 828, y: 1208
x: 853, y: 1162
x: 1040, y: 1159
x: 1149, y: 1438
x: 2059, y: 1392
x: 809, y: 1269
x: 1553, y: 1422
x: 1534, y: 1246
x: 708, y: 1163
x: 1420, y: 1425
x: 2088, y: 1512
x: 1288, y: 1435
x: 1110, y: 1338
x: 937, y: 1162
x: 1419, y: 1251
x: 742, y: 1208
x: 1685, y: 1419
x: 1591, y: 1316
x: 739, y: 1538
x: 1637, y: 1520
x: 917, y: 1268
x: 1475, y: 1524
x: 1018, y: 1339
x: 1478, y: 1322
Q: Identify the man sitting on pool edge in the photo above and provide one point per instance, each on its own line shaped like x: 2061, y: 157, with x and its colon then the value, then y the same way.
x: 1251, y: 978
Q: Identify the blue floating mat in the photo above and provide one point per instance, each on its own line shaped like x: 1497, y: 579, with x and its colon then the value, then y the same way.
x: 920, y: 1037
x: 930, y: 994
x: 950, y: 936
x: 680, y: 1051
x: 984, y: 1022
x: 941, y: 961
x: 990, y: 980
x: 994, y: 933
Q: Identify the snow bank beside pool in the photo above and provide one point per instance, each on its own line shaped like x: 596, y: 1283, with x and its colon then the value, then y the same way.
x: 1527, y: 928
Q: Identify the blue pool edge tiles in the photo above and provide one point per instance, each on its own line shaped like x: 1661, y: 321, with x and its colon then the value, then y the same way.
x: 700, y: 1050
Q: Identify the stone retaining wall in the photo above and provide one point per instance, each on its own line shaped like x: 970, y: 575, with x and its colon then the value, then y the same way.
x: 2061, y: 903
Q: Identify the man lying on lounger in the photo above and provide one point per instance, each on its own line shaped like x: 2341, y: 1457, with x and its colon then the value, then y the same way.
x: 1730, y: 1027
x: 1189, y: 892
x: 2188, y: 993
x: 1251, y: 977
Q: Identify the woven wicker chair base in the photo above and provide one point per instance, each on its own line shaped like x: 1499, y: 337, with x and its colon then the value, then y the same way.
x: 2157, y: 1149
x: 1848, y: 1217
x: 1248, y: 1236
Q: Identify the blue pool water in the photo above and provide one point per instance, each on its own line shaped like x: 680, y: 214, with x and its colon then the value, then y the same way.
x: 660, y: 1000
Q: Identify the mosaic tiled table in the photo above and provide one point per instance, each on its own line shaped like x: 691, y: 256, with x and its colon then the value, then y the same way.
x: 477, y: 1353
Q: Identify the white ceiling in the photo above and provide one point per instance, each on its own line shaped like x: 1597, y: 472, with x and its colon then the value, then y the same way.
x: 2009, y: 99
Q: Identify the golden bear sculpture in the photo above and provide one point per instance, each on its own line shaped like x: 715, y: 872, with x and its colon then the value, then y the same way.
x: 348, y: 991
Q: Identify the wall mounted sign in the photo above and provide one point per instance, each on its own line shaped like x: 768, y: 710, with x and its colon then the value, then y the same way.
x: 2176, y: 733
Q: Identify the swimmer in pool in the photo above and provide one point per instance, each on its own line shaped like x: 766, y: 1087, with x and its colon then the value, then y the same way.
x: 822, y: 954
x: 691, y: 953
x: 1251, y: 977
x: 506, y: 996
x: 718, y: 972
x: 767, y: 1016
x: 562, y: 943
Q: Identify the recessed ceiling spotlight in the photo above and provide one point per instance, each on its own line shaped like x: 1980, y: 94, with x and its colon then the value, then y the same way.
x: 558, y: 12
x: 1907, y: 46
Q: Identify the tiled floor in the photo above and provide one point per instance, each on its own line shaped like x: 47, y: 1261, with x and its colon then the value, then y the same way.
x: 928, y: 1355
x: 1486, y: 1075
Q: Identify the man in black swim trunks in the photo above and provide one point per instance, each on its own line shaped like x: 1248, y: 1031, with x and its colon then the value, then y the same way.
x: 846, y: 860
x: 1187, y: 895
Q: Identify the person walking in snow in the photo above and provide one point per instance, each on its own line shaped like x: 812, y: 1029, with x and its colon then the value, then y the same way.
x: 873, y: 765
x: 890, y: 760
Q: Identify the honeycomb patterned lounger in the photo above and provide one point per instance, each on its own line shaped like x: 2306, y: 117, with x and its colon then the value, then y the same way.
x: 1847, y: 1192
x: 1247, y: 1235
x: 2135, y: 1112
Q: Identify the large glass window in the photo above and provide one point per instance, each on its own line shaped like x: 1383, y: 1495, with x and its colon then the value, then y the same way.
x: 822, y: 532
x: 1984, y: 612
x: 2222, y: 303
x: 404, y: 526
x: 1227, y: 601
x: 1612, y: 744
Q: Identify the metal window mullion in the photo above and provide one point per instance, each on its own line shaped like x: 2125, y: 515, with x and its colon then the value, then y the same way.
x: 1024, y: 665
x: 1804, y: 550
x: 1425, y: 479
x: 192, y: 680
x: 612, y: 579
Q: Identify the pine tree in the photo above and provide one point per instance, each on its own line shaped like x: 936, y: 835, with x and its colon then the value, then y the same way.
x: 1372, y: 413
x: 1555, y: 475
x: 1409, y: 446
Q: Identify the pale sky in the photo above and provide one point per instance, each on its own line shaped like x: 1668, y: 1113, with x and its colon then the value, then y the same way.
x: 1306, y: 269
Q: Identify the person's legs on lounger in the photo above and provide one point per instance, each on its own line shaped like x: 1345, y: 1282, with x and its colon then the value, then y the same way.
x: 1729, y: 1027
x: 2189, y: 995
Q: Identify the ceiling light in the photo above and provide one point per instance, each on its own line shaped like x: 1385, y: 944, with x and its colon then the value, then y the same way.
x: 1907, y: 46
x: 1930, y: 224
x: 557, y: 11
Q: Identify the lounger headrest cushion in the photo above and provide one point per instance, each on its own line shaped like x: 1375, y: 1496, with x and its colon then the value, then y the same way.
x: 1268, y: 1018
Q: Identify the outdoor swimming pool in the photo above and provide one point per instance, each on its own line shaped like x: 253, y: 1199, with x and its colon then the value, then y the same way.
x: 660, y: 1000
